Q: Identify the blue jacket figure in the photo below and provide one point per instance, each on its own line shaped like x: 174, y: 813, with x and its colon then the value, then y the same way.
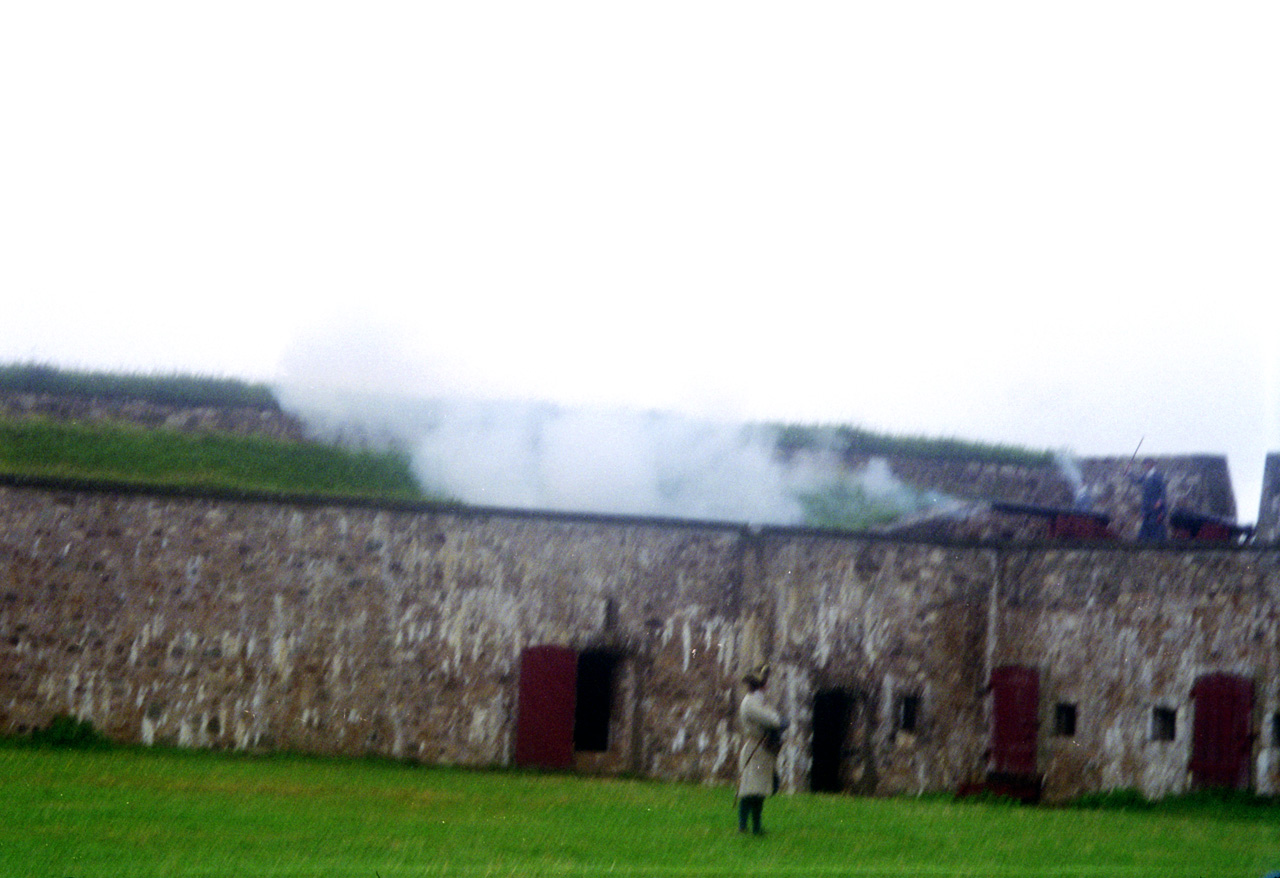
x: 1154, y: 509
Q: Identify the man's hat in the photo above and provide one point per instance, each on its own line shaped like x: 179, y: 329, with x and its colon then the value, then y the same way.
x: 757, y: 676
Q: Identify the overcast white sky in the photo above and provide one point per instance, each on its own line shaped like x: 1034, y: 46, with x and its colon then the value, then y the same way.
x: 1043, y: 223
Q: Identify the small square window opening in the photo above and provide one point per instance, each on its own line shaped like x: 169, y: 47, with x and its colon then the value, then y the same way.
x: 908, y: 713
x: 1164, y: 724
x: 1064, y: 720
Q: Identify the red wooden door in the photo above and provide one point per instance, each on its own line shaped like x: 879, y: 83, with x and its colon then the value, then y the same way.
x: 1221, y: 737
x: 544, y: 713
x: 1015, y: 723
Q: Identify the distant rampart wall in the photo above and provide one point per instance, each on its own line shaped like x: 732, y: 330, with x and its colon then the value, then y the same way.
x: 237, y: 420
x: 1269, y: 508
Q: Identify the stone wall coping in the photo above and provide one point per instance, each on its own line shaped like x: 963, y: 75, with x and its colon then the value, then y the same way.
x: 744, y: 529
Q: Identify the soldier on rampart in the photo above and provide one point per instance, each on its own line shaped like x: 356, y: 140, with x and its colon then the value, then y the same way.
x: 1155, y: 511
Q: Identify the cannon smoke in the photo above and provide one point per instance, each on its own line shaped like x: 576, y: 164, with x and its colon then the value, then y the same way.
x: 537, y: 455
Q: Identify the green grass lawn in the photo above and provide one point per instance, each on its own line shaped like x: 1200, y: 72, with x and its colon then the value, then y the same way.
x: 75, y: 814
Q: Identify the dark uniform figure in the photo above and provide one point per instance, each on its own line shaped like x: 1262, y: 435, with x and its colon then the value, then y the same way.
x: 1155, y: 513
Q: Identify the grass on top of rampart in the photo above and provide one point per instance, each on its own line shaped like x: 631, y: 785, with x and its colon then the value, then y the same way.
x: 177, y: 389
x: 33, y: 447
x: 849, y: 440
x: 119, y: 453
x: 202, y: 390
x: 169, y: 814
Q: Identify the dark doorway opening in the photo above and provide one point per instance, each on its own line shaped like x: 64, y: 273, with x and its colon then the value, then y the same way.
x: 597, y: 673
x: 832, y: 724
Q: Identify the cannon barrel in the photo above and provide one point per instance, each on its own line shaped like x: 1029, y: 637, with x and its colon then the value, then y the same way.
x: 1187, y: 525
x: 1064, y: 523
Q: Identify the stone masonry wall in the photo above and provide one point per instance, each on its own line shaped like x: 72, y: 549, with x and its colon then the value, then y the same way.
x: 883, y: 619
x: 1115, y: 631
x: 350, y: 628
x: 1119, y: 633
x: 980, y: 480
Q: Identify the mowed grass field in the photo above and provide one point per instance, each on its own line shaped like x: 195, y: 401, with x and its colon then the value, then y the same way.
x: 162, y: 814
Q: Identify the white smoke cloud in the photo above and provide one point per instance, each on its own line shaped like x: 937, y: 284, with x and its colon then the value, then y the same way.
x: 1069, y: 467
x: 541, y: 456
x: 601, y: 460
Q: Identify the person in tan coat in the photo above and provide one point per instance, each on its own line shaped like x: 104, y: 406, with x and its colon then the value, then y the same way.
x: 758, y: 758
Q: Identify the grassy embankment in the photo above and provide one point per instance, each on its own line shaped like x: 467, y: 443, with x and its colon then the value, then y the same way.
x: 36, y: 447
x: 215, y: 461
x: 148, y: 814
x: 177, y: 389
x: 847, y: 440
x: 128, y: 453
x: 851, y: 505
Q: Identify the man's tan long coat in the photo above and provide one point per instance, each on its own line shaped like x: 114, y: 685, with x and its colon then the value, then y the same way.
x: 755, y: 763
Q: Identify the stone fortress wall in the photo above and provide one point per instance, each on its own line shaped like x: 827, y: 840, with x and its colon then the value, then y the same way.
x: 277, y: 623
x: 207, y: 620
